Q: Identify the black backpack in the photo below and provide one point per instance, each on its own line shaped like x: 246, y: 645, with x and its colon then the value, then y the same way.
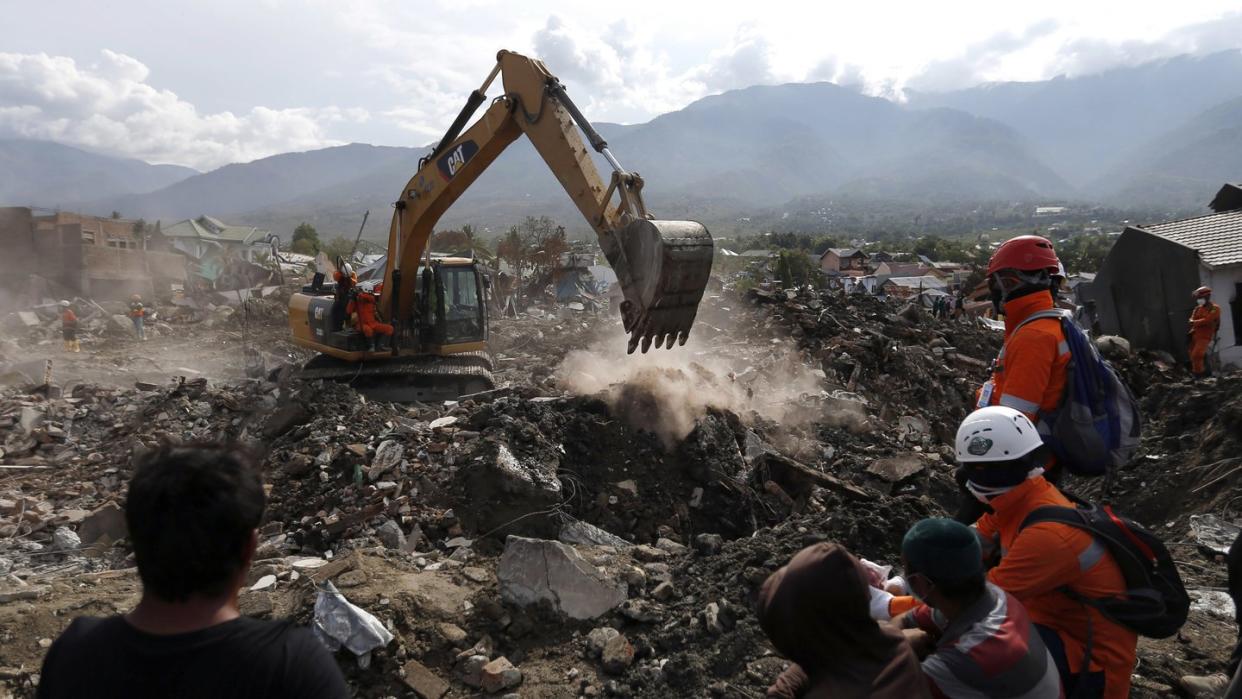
x: 1156, y: 603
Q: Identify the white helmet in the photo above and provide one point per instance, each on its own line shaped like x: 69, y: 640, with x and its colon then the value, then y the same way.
x: 995, y: 433
x: 64, y: 304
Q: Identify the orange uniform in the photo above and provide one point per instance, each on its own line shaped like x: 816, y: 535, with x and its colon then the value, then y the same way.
x: 1030, y: 374
x: 1049, y: 555
x: 364, y: 305
x: 1204, y: 323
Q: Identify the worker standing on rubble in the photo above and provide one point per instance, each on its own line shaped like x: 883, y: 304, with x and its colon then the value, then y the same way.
x: 138, y: 314
x: 815, y: 610
x: 193, y: 515
x: 68, y: 328
x: 985, y: 645
x: 1204, y: 324
x: 1003, y: 458
x: 1029, y: 374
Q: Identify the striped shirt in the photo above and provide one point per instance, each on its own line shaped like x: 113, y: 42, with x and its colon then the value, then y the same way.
x: 990, y: 651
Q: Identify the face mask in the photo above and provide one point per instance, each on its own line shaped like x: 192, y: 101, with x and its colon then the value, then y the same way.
x: 984, y: 493
x: 1202, y: 302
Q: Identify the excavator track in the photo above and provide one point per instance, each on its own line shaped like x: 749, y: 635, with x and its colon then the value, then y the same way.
x: 425, y: 379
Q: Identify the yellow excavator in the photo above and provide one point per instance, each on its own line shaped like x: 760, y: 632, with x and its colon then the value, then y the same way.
x: 437, y: 306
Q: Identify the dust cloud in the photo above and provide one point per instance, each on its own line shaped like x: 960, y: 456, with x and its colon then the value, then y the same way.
x: 666, y: 391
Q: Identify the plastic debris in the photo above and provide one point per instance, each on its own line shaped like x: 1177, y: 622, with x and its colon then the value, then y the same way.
x: 340, y: 623
x: 1214, y: 533
x: 1212, y: 602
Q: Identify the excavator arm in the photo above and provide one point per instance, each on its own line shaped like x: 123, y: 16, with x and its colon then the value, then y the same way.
x: 662, y: 266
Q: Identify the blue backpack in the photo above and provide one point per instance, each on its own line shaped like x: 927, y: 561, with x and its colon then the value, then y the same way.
x: 1097, y: 426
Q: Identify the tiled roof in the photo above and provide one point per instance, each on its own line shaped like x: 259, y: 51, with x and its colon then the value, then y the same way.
x: 1217, y: 237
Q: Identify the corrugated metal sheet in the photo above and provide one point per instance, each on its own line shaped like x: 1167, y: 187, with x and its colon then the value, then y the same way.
x: 1217, y: 237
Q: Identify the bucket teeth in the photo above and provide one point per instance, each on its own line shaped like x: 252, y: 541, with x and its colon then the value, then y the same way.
x: 663, y: 268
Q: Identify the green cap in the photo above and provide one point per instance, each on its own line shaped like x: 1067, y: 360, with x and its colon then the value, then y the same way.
x: 944, y: 550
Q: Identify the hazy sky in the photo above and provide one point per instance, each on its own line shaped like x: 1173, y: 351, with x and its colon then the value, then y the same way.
x: 207, y: 83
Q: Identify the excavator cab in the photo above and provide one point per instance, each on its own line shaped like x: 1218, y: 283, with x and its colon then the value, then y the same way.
x: 443, y: 342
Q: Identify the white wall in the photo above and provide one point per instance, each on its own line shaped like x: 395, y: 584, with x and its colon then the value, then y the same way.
x: 1224, y: 283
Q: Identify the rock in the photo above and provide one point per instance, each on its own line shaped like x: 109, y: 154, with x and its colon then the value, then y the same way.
x: 755, y: 447
x: 534, y: 570
x: 471, y: 670
x: 898, y: 468
x: 440, y: 423
x: 648, y: 554
x: 708, y: 544
x: 670, y: 546
x: 64, y: 539
x: 711, y: 449
x: 352, y: 578
x: 586, y: 534
x: 640, y: 611
x: 31, y: 418
x: 617, y: 655
x: 500, y: 675
x: 285, y: 418
x: 513, y: 494
x: 1113, y: 347
x: 452, y: 633
x: 29, y: 319
x: 387, y: 456
x: 664, y: 592
x: 390, y: 533
x: 263, y: 583
x: 477, y: 575
x: 598, y: 638
x: 424, y: 683
x: 108, y: 521
x: 711, y: 618
x: 912, y: 428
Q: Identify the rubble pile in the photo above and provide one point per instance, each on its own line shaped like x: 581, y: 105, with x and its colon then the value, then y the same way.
x: 539, y: 540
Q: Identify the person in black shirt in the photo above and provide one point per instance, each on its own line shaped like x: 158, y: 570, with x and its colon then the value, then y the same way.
x: 193, y: 514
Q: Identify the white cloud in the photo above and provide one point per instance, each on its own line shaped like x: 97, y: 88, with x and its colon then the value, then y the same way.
x: 109, y: 106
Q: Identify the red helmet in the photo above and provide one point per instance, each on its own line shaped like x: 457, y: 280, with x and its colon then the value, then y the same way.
x: 1203, y: 292
x: 1028, y: 253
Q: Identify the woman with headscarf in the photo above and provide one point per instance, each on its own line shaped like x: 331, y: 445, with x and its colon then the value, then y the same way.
x: 816, y: 611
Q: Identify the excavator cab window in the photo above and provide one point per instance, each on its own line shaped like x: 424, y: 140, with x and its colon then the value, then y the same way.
x: 460, y: 304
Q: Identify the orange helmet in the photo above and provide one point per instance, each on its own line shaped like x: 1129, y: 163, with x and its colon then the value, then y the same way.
x: 1026, y: 253
x: 1203, y: 292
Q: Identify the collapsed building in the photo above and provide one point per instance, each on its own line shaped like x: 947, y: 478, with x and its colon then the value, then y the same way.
x: 66, y: 254
x: 63, y: 254
x: 1143, y: 290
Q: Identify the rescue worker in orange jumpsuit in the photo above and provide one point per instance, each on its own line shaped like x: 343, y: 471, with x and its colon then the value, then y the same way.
x: 1029, y: 374
x: 1204, y: 324
x: 1046, y: 563
x: 363, y: 304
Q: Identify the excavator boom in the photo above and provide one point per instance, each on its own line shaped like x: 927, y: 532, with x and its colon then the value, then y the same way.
x: 662, y: 266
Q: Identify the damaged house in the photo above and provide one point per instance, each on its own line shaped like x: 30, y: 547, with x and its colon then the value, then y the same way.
x: 1143, y: 289
x: 223, y: 256
x: 62, y: 254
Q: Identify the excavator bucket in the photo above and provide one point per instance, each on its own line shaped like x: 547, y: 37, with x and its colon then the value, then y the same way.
x: 663, y: 267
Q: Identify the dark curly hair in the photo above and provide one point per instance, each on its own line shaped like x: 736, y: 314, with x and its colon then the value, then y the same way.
x: 191, y: 510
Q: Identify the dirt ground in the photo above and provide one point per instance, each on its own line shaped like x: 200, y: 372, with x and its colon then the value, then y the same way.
x: 790, y: 418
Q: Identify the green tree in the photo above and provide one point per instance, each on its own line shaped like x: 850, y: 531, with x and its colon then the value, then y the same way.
x: 305, y: 240
x: 116, y: 214
x: 340, y: 246
x: 795, y: 268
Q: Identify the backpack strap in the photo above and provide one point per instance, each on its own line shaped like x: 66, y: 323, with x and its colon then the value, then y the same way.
x: 1050, y: 313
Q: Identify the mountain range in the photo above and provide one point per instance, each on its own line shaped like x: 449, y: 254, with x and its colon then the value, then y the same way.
x: 1160, y: 136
